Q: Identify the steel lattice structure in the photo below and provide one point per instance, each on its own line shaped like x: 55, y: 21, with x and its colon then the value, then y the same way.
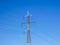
x: 28, y: 28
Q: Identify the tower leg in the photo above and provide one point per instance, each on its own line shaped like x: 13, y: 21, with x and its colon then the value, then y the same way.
x: 28, y: 37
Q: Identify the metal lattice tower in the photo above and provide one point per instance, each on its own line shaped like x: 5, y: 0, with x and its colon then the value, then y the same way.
x: 28, y: 28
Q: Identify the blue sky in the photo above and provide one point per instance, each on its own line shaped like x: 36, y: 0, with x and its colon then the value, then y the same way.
x: 46, y: 14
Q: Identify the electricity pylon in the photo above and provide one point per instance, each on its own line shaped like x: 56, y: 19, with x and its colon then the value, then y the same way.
x: 28, y: 28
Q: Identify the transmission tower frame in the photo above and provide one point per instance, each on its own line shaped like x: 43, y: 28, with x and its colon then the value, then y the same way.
x: 28, y: 27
